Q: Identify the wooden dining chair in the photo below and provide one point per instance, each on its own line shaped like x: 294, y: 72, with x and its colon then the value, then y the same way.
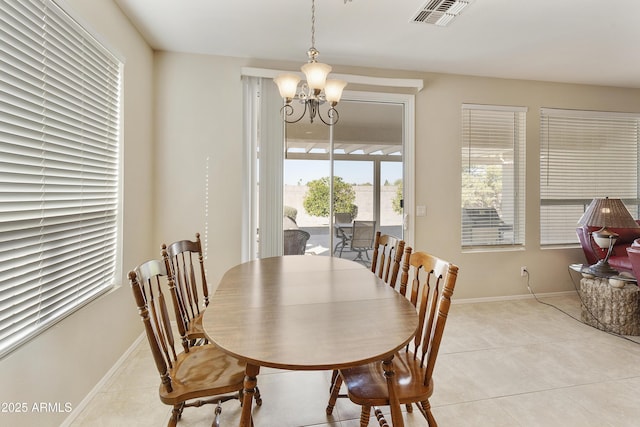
x: 201, y: 372
x: 385, y: 263
x: 428, y: 282
x: 387, y: 257
x: 186, y: 265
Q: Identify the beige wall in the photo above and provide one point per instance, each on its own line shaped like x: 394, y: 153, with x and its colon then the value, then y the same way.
x: 199, y: 134
x: 491, y: 274
x: 65, y: 362
x: 200, y: 100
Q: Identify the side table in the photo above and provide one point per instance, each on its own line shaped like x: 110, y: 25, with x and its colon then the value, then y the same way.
x: 609, y: 308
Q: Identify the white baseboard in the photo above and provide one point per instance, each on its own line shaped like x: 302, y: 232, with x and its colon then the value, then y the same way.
x: 78, y: 409
x: 511, y: 297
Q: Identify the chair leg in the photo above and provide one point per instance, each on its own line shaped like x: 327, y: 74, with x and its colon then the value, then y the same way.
x: 365, y: 415
x: 334, y: 375
x: 341, y: 244
x: 382, y: 422
x: 335, y: 390
x: 257, y: 397
x: 341, y: 249
x: 216, y: 419
x: 426, y: 411
x: 176, y: 413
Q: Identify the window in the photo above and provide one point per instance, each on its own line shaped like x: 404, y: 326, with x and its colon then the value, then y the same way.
x: 59, y: 168
x: 583, y: 155
x: 493, y: 174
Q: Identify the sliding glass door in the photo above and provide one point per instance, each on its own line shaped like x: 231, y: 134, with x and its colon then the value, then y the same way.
x: 369, y: 171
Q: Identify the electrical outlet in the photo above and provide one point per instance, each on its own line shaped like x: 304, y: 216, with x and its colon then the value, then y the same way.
x: 523, y: 271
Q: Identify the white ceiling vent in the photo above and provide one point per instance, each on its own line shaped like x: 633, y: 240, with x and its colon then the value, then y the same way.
x: 440, y: 12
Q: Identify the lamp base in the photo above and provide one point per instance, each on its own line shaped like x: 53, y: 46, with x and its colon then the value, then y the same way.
x: 602, y: 269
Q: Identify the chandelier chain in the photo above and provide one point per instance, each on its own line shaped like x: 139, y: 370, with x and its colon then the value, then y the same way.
x: 315, y: 91
x: 313, y: 23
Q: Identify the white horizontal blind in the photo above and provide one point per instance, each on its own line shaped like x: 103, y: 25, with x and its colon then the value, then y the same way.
x: 493, y: 175
x: 59, y: 161
x: 583, y: 155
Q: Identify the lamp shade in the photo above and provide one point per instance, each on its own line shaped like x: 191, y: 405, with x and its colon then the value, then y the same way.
x: 607, y: 212
x: 287, y: 85
x: 333, y: 90
x: 316, y: 74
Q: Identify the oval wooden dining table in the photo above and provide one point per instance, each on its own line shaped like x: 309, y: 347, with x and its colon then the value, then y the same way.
x: 302, y: 312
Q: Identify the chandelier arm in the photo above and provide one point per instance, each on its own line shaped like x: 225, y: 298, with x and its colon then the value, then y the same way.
x: 332, y: 116
x: 287, y: 111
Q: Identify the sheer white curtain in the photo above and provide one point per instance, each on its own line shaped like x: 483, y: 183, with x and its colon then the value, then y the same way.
x: 264, y: 155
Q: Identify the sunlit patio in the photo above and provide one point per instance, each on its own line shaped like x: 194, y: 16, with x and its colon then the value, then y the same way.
x: 319, y: 241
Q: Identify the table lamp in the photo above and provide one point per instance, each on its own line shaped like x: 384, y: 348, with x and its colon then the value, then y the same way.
x: 606, y: 213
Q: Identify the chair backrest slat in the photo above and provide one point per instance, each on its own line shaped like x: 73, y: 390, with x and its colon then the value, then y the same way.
x: 387, y: 257
x: 186, y: 267
x: 184, y: 279
x: 166, y: 324
x: 147, y: 283
x: 432, y: 284
x: 448, y: 273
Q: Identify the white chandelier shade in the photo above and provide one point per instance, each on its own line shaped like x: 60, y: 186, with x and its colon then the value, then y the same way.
x: 333, y: 90
x: 287, y: 85
x: 316, y: 74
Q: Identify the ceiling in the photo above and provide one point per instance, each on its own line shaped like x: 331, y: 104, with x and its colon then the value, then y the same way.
x: 362, y: 128
x: 577, y: 41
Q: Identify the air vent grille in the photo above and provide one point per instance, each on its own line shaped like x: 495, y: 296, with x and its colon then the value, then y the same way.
x: 440, y: 12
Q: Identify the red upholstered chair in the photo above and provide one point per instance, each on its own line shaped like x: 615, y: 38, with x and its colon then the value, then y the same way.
x: 633, y: 252
x: 619, y: 258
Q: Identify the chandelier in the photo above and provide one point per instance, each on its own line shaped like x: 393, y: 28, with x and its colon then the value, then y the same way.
x: 315, y: 91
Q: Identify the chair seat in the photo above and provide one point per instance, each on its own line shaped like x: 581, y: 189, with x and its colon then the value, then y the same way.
x: 203, y: 371
x: 367, y: 385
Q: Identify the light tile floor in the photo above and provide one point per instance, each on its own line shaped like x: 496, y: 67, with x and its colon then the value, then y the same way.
x: 508, y: 363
